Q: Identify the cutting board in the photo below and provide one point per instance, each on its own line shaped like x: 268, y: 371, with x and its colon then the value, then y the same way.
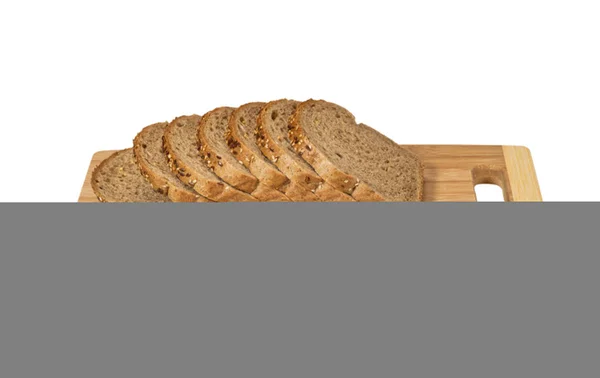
x: 451, y: 172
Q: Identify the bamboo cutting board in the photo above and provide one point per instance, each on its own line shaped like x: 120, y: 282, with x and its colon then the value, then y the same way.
x: 451, y: 172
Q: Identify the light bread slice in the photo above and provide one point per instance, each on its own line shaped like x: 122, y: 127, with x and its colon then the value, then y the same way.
x: 273, y: 141
x: 228, y: 164
x: 118, y: 179
x: 242, y: 142
x: 354, y: 158
x: 154, y: 165
x: 181, y: 147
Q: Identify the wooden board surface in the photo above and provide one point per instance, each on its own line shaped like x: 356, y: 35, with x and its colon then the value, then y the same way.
x: 451, y: 172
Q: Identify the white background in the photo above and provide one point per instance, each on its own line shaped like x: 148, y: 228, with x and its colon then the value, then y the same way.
x: 77, y: 77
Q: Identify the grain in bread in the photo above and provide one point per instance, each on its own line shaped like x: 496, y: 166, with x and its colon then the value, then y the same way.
x: 118, y: 179
x: 242, y: 142
x: 154, y: 165
x: 181, y: 147
x: 273, y: 141
x: 354, y: 158
x: 227, y: 163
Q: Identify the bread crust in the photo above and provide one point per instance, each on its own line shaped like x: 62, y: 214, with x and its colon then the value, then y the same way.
x: 298, y: 193
x: 245, y: 182
x: 177, y: 194
x: 267, y: 194
x: 213, y: 189
x: 239, y: 180
x: 159, y: 183
x: 340, y: 180
x: 275, y: 153
x: 100, y: 167
x: 270, y: 175
x: 311, y: 181
x: 266, y: 174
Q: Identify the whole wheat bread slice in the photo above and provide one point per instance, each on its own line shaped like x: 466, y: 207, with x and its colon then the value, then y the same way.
x: 242, y: 142
x: 154, y: 165
x: 226, y: 162
x: 181, y: 147
x: 273, y: 141
x: 352, y: 157
x: 118, y: 179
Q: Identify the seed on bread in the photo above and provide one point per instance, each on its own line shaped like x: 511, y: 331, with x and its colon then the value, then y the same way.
x: 181, y: 144
x: 131, y: 187
x: 273, y: 135
x: 215, y: 132
x: 153, y: 162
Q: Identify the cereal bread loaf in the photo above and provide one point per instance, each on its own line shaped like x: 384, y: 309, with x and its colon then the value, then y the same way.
x: 242, y: 142
x: 181, y: 147
x: 118, y: 179
x: 273, y: 141
x: 226, y: 163
x: 354, y: 158
x: 154, y: 165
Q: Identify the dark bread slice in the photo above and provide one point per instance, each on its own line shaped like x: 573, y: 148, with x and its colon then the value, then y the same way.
x: 181, y: 147
x: 242, y: 142
x: 118, y: 179
x: 154, y: 165
x: 273, y: 141
x: 227, y: 164
x: 352, y: 157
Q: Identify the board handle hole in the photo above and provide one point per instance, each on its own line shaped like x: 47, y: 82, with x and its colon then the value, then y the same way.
x: 490, y: 184
x: 489, y: 193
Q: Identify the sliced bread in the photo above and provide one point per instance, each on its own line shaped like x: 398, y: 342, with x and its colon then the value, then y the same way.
x: 242, y: 142
x: 118, y: 179
x: 227, y: 163
x: 354, y: 158
x: 181, y: 147
x: 154, y: 165
x: 273, y: 141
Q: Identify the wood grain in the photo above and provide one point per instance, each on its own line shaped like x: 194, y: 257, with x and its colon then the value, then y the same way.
x: 451, y: 172
x: 521, y: 174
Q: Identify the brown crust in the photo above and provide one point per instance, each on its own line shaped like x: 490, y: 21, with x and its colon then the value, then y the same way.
x: 178, y: 194
x: 95, y: 173
x: 266, y: 194
x: 363, y: 193
x: 274, y: 152
x: 297, y: 189
x: 328, y: 193
x: 222, y: 168
x: 340, y: 180
x: 267, y: 174
x: 159, y: 183
x: 313, y: 156
x: 310, y: 180
x: 298, y: 193
x: 95, y: 187
x: 213, y: 189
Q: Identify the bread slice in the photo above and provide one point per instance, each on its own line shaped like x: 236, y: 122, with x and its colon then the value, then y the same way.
x: 354, y: 158
x: 181, y: 147
x: 227, y: 164
x: 273, y: 141
x: 241, y: 139
x: 154, y: 165
x: 118, y: 179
